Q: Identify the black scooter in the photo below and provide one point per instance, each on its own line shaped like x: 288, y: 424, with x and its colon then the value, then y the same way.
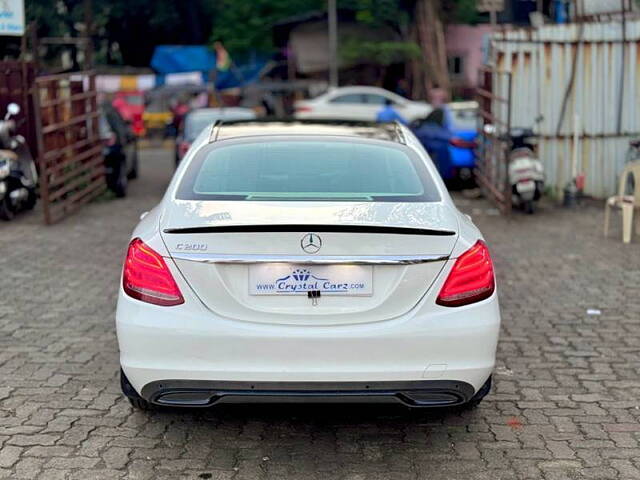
x: 18, y: 174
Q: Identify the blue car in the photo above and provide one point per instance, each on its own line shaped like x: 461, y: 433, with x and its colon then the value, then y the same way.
x: 451, y: 149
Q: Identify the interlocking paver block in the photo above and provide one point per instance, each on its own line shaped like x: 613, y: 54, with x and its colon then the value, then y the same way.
x: 565, y: 403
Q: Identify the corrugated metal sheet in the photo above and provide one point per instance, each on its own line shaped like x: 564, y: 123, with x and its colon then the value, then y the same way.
x: 605, y: 94
x: 597, y: 7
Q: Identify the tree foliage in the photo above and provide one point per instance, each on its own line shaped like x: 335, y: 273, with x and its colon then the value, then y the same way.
x: 126, y: 31
x: 245, y: 25
x: 376, y: 13
x: 138, y: 26
x: 354, y: 50
x: 461, y: 11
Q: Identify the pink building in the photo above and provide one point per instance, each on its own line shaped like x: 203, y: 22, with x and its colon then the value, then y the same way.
x: 465, y: 53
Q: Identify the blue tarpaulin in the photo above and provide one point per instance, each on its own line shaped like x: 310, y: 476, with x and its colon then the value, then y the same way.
x: 182, y: 58
x: 240, y: 76
x: 198, y: 58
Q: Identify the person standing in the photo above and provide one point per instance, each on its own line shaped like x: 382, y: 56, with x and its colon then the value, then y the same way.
x: 389, y: 114
x: 438, y: 100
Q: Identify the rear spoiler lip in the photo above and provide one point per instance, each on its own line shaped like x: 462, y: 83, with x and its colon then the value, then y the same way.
x: 302, y: 228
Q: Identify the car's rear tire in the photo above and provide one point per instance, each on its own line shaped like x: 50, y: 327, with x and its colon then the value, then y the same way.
x: 529, y: 207
x: 140, y: 404
x: 134, y: 397
x: 6, y: 209
x: 479, y: 395
x: 133, y: 174
x: 120, y: 187
x: 31, y: 200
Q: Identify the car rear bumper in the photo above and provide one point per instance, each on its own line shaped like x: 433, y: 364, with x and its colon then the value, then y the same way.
x: 423, y: 393
x: 186, y: 346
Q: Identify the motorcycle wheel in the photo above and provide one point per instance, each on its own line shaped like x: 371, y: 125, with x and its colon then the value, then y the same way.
x: 133, y: 174
x: 120, y: 187
x: 31, y: 200
x: 528, y: 207
x: 6, y: 209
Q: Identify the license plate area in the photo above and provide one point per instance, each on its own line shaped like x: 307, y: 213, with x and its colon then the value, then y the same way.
x: 297, y: 279
x: 526, y: 186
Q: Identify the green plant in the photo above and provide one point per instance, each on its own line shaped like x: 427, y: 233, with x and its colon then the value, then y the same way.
x: 354, y: 50
x: 245, y: 25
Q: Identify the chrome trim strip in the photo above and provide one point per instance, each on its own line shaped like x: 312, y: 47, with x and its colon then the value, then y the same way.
x: 309, y: 259
x: 305, y: 228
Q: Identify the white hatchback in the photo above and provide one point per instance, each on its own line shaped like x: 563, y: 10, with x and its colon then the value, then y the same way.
x: 358, y: 103
x: 307, y: 262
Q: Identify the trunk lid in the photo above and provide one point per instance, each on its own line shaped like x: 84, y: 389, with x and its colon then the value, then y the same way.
x: 371, y: 261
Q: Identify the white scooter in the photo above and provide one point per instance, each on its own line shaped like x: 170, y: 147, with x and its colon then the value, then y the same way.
x: 18, y: 174
x: 526, y: 174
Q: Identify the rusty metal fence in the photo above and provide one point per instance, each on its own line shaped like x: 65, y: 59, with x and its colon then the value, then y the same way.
x: 494, y: 116
x: 68, y: 139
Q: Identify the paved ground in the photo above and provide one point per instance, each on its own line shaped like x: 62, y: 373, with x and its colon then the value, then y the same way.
x: 566, y: 402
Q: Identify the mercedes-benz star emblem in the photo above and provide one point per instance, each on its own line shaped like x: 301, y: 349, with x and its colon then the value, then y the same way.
x: 311, y: 243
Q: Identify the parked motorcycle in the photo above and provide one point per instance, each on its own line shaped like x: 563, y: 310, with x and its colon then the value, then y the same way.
x: 526, y: 174
x: 18, y: 174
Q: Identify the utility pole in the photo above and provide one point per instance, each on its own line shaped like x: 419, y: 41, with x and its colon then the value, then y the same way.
x: 493, y: 18
x: 88, y: 34
x: 333, y: 43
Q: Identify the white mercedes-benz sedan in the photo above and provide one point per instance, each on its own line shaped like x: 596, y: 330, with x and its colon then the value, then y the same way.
x: 307, y: 261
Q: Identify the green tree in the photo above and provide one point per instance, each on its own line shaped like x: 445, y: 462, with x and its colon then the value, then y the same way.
x: 387, y: 14
x: 125, y: 31
x: 136, y: 27
x: 245, y: 25
x: 377, y: 13
x: 460, y: 11
x: 354, y: 50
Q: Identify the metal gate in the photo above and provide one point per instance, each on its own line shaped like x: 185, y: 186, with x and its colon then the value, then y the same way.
x: 70, y: 150
x: 494, y: 114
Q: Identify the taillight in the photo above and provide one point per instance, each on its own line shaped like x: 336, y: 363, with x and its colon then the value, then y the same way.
x: 302, y: 109
x: 146, y: 276
x: 462, y: 143
x: 137, y: 124
x: 470, y: 280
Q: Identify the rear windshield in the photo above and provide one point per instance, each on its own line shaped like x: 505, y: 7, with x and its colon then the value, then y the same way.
x: 302, y: 170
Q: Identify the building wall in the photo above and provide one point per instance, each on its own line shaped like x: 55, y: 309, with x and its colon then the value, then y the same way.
x: 309, y: 43
x: 466, y: 42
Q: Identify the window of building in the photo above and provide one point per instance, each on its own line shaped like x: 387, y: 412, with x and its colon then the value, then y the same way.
x: 456, y: 65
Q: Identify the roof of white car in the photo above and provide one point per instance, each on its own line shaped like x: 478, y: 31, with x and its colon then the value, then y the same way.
x: 232, y: 112
x: 380, y: 131
x: 360, y: 89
